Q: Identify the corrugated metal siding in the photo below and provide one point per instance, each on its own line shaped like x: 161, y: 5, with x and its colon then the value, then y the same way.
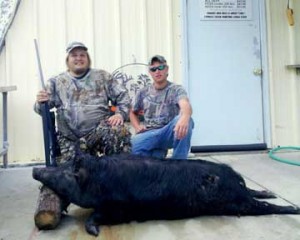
x: 117, y: 32
x: 284, y: 83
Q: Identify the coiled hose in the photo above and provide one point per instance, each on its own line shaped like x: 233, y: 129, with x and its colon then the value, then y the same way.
x: 287, y: 161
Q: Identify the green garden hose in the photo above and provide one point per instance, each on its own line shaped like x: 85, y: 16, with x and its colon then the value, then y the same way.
x: 288, y: 161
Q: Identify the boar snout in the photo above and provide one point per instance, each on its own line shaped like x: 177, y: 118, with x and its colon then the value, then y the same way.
x: 36, y: 172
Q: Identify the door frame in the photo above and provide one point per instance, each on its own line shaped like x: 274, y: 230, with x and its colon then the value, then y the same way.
x: 264, y: 61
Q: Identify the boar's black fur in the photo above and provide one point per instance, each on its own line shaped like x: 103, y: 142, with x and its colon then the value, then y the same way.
x: 123, y: 188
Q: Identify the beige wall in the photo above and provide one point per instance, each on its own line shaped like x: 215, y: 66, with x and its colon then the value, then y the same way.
x: 123, y: 31
x: 283, y: 41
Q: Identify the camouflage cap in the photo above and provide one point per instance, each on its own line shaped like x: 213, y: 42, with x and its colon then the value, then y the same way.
x: 73, y: 45
x: 157, y: 58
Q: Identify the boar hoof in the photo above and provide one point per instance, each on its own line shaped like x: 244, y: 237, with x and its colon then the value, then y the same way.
x: 92, y: 229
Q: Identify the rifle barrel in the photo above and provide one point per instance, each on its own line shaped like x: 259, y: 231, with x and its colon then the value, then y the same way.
x: 39, y: 64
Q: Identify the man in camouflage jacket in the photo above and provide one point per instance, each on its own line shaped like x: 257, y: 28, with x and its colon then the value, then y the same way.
x: 81, y: 96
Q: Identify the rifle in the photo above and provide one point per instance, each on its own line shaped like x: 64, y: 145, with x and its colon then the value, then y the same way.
x: 48, y: 118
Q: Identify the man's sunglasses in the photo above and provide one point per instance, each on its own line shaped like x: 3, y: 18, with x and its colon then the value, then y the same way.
x: 160, y: 68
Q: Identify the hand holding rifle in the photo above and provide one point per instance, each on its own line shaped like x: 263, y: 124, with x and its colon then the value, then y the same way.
x: 42, y: 96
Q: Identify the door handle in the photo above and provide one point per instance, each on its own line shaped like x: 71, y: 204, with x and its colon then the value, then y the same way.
x: 257, y: 71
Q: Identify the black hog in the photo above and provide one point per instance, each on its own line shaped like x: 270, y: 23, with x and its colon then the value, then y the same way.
x: 124, y: 188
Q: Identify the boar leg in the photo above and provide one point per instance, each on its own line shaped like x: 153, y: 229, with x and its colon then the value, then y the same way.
x: 92, y: 223
x: 261, y: 194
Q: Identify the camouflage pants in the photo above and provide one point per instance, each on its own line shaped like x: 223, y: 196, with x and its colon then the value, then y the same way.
x: 103, y: 140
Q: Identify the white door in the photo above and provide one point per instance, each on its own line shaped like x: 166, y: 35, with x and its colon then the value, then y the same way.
x: 224, y: 72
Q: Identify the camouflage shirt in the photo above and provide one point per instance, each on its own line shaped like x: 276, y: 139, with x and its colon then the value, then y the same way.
x: 83, y: 103
x: 159, y: 106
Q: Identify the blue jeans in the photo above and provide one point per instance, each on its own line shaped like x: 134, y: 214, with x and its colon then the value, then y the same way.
x: 156, y: 142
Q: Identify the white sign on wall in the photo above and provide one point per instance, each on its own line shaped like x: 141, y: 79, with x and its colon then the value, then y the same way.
x: 234, y: 10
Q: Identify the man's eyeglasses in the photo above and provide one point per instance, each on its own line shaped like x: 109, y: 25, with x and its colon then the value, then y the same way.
x: 160, y: 68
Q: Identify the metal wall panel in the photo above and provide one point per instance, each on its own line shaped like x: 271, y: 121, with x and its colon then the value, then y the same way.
x: 284, y: 82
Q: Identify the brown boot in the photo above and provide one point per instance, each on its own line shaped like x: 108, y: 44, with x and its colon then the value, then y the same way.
x: 48, y: 212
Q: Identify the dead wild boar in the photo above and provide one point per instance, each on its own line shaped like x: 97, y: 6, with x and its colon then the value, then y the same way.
x: 124, y: 188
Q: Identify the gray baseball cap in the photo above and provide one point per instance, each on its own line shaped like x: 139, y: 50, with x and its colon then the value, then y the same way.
x: 157, y: 58
x: 73, y: 45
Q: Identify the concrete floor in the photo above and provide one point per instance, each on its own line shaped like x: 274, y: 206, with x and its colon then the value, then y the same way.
x: 18, y: 196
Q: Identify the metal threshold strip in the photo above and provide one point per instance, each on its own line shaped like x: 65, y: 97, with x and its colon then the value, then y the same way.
x: 225, y: 148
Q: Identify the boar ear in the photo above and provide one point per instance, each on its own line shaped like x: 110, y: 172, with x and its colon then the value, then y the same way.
x: 78, y: 159
x: 81, y: 176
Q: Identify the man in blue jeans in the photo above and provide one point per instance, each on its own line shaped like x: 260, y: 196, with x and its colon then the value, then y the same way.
x: 167, y: 116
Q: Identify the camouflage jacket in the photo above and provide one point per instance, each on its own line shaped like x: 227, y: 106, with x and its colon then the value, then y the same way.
x: 81, y: 104
x: 159, y: 106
